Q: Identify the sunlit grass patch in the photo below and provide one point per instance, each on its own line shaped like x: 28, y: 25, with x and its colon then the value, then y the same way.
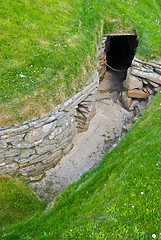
x: 18, y: 203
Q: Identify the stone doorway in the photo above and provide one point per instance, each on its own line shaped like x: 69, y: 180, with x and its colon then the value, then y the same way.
x: 115, y: 55
x: 119, y: 54
x: 120, y: 51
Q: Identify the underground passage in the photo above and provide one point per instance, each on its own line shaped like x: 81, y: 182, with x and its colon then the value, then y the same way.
x: 120, y: 51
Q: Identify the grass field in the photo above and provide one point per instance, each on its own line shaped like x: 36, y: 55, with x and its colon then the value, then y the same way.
x: 119, y: 199
x: 48, y: 48
x: 17, y: 202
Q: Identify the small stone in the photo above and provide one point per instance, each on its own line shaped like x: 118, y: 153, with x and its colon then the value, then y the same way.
x: 39, y: 133
x: 47, y: 148
x: 154, y: 84
x: 3, y: 145
x: 127, y: 101
x: 145, y: 81
x: 132, y: 82
x: 12, y: 152
x: 149, y: 90
x: 53, y: 157
x: 68, y: 148
x: 11, y: 167
x: 157, y: 89
x: 37, y: 178
x: 137, y: 94
x: 55, y: 133
x: 25, y: 153
x: 61, y: 122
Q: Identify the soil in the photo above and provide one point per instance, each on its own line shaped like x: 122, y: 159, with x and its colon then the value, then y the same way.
x: 105, y: 130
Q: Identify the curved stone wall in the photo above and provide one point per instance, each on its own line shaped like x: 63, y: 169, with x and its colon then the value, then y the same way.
x: 31, y: 148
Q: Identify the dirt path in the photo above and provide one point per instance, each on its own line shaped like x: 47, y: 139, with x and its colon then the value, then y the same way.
x: 89, y: 147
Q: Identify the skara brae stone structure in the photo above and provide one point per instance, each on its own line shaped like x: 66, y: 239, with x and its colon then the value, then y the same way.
x: 30, y: 148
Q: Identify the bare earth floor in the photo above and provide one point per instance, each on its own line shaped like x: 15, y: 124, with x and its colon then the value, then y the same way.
x: 89, y: 147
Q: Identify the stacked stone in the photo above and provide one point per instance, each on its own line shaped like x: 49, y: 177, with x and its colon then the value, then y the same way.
x: 31, y: 148
x: 85, y: 111
x: 101, y: 56
x: 143, y: 81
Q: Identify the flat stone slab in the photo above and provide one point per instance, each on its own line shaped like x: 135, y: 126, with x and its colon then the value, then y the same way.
x: 137, y: 94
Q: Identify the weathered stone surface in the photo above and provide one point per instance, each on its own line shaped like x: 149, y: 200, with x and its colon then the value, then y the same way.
x: 24, y: 144
x: 3, y: 145
x: 133, y: 82
x: 2, y: 164
x: 61, y: 122
x: 14, y: 130
x: 68, y: 148
x: 127, y: 125
x: 145, y: 81
x: 153, y: 84
x: 53, y: 157
x: 39, y: 133
x: 15, y: 139
x: 157, y: 89
x: 37, y: 178
x: 47, y: 148
x: 56, y: 132
x: 137, y: 94
x: 9, y: 160
x: 151, y: 64
x: 11, y: 167
x: 28, y: 167
x: 157, y: 70
x: 38, y: 158
x: 66, y: 141
x: 154, y: 77
x: 68, y: 132
x: 149, y: 90
x: 25, y: 153
x: 127, y: 101
x: 2, y: 155
x: 38, y: 123
x: 71, y: 102
x: 12, y: 152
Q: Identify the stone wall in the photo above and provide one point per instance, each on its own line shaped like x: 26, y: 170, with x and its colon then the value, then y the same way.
x: 101, y: 56
x: 142, y: 82
x: 31, y: 148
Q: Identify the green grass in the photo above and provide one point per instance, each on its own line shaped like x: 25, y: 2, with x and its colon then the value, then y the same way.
x: 17, y: 202
x: 53, y: 44
x: 119, y: 199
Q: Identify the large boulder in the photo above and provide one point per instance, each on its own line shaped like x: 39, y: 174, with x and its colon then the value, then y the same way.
x: 133, y: 82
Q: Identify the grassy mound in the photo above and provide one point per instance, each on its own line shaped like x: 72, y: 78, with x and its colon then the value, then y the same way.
x: 48, y: 48
x: 17, y: 202
x: 119, y: 199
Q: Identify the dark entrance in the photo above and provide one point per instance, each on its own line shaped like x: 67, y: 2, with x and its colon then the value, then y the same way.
x: 120, y: 51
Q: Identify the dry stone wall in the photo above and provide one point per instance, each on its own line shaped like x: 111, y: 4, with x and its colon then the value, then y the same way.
x: 101, y: 56
x: 142, y: 82
x: 31, y: 148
